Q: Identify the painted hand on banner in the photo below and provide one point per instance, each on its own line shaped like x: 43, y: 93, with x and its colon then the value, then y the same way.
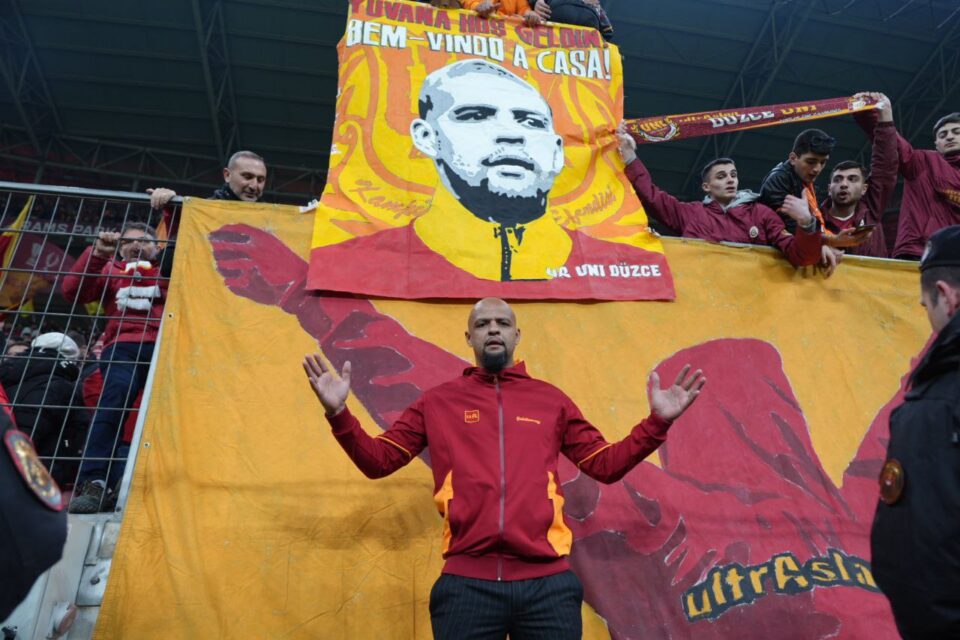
x: 390, y: 368
x: 670, y: 403
x: 331, y: 390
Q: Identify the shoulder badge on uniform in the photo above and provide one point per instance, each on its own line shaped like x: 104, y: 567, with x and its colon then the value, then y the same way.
x: 891, y: 481
x: 34, y: 473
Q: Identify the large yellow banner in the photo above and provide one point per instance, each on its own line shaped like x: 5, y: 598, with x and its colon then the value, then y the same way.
x: 476, y: 157
x: 246, y: 519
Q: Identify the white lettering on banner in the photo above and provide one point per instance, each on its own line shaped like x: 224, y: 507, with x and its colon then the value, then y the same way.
x: 375, y: 34
x: 608, y: 271
x: 578, y: 63
x: 635, y: 271
x: 560, y: 62
x: 743, y: 118
x: 595, y: 270
x: 520, y: 58
x: 471, y: 45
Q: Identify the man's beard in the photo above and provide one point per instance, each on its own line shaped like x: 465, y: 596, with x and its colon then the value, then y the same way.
x: 494, y: 362
x: 508, y: 210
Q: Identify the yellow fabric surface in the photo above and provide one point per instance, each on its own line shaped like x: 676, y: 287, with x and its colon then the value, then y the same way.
x: 247, y: 520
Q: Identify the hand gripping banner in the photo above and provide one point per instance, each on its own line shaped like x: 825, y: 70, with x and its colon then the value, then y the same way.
x: 474, y: 157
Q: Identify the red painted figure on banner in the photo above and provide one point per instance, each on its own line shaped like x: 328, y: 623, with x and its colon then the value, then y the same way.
x: 748, y: 533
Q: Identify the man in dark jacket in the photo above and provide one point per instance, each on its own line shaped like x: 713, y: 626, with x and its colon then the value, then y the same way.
x: 726, y: 213
x: 495, y: 434
x: 244, y: 179
x: 857, y: 199
x: 915, y: 542
x: 47, y: 404
x: 794, y: 179
x: 584, y: 13
x: 795, y: 176
x: 33, y: 525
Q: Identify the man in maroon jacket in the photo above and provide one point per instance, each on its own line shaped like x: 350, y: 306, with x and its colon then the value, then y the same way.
x: 931, y: 184
x: 857, y: 200
x: 726, y: 214
x: 495, y: 435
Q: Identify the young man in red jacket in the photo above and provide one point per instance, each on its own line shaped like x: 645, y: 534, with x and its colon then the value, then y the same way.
x: 931, y: 184
x: 132, y: 294
x: 857, y: 199
x: 495, y: 435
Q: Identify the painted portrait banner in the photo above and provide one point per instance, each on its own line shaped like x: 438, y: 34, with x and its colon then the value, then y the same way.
x: 474, y: 157
x: 752, y: 521
x: 709, y: 123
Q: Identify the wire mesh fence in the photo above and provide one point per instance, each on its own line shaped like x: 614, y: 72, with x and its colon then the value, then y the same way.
x: 83, y: 281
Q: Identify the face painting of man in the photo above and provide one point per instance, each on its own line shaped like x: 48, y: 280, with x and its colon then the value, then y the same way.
x: 492, y: 138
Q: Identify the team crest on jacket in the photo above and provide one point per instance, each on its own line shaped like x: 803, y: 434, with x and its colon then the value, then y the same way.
x: 32, y: 470
x: 471, y: 416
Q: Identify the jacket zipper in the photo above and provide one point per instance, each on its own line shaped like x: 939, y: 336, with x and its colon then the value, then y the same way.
x: 503, y: 479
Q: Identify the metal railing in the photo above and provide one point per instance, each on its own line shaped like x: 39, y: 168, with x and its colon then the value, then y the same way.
x: 65, y: 393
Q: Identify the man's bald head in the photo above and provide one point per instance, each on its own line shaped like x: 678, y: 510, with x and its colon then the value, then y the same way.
x: 488, y: 303
x: 493, y: 334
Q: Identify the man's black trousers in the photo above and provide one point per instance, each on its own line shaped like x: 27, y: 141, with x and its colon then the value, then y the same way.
x: 541, y: 608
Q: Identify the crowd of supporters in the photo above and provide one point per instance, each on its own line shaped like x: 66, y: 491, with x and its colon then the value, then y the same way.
x: 584, y: 13
x: 787, y: 212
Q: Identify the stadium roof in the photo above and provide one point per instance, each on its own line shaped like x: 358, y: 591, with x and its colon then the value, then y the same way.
x: 135, y: 94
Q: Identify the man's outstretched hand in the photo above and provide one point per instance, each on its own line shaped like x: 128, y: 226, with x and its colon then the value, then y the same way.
x: 331, y: 390
x: 670, y: 403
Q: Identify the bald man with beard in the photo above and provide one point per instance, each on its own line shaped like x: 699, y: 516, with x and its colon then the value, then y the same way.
x: 495, y: 435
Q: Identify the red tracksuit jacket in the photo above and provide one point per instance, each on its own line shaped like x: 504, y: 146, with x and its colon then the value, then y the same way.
x: 931, y: 191
x: 132, y: 295
x: 494, y: 444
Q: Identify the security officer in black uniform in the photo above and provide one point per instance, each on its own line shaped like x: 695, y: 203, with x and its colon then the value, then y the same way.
x: 33, y: 522
x: 916, y: 531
